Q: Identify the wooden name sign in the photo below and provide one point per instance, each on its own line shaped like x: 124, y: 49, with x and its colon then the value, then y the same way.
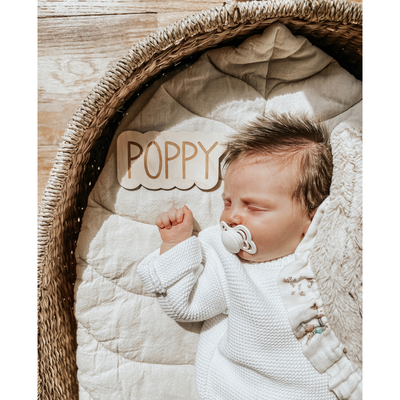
x: 163, y: 160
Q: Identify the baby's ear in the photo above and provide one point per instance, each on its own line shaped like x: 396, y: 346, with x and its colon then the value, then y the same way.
x: 312, y: 213
x: 308, y: 217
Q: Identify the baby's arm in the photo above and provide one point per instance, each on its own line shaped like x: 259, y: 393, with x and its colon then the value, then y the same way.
x: 186, y: 271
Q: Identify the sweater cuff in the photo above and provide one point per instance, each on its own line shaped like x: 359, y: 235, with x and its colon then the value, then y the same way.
x: 158, y: 272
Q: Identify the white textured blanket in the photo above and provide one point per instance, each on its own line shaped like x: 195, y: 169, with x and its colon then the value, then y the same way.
x: 127, y: 347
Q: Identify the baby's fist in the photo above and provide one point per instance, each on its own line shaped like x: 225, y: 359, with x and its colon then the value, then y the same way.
x: 174, y: 226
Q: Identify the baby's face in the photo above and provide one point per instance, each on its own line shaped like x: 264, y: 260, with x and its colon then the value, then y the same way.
x: 258, y: 194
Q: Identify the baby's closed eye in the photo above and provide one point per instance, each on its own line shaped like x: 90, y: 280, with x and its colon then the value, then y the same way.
x: 227, y: 202
x: 257, y: 208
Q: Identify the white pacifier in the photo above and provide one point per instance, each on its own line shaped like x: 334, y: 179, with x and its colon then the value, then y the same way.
x: 237, y: 238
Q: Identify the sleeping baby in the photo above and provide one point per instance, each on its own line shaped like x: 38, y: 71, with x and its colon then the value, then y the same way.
x: 278, y: 172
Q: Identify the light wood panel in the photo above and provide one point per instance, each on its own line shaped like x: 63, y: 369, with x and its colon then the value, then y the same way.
x: 55, y: 8
x: 74, y: 53
x: 166, y: 18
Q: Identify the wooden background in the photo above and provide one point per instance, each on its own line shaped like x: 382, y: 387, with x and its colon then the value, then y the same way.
x: 78, y: 41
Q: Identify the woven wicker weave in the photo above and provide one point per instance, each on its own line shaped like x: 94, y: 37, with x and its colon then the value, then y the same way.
x: 333, y: 25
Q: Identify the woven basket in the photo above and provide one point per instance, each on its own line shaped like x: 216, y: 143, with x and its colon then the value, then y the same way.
x: 333, y: 25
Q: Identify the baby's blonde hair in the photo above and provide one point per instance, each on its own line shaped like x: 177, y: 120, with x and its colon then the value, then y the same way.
x: 294, y: 139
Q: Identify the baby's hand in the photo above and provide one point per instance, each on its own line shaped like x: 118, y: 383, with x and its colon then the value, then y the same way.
x: 175, y: 226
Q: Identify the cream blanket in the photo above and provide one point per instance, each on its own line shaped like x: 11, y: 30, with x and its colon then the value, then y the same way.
x: 127, y: 347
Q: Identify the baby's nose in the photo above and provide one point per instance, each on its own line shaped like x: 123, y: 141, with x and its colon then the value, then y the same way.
x: 233, y: 220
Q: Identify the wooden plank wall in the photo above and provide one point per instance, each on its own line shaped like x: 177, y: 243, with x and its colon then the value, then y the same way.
x: 78, y: 41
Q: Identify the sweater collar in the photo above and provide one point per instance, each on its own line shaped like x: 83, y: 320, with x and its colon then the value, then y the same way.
x: 276, y: 263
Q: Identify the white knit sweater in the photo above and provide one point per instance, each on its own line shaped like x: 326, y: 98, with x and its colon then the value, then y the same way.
x: 247, y: 349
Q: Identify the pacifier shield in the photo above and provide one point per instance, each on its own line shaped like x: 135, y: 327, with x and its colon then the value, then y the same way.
x: 237, y: 238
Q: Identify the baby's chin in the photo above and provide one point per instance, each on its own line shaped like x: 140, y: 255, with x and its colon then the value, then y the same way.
x: 257, y: 258
x: 249, y: 257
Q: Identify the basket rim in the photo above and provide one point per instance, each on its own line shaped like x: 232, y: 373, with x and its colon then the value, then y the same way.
x: 229, y: 15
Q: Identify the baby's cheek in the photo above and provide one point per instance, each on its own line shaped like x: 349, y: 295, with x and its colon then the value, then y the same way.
x: 262, y: 244
x: 265, y: 240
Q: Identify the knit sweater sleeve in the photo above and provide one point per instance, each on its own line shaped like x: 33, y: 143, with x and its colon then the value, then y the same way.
x: 188, y: 280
